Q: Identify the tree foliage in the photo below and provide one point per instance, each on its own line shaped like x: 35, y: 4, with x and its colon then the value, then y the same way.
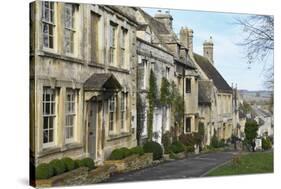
x: 177, y: 102
x: 251, y: 128
x: 152, y: 101
x: 165, y: 92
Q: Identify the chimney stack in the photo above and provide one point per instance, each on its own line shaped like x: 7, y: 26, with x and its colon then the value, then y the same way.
x: 186, y: 38
x: 208, y: 49
x: 165, y: 18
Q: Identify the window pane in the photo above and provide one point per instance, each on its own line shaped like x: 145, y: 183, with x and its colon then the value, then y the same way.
x: 45, y: 136
x: 52, y: 108
x: 45, y: 122
x: 47, y: 108
x: 51, y: 135
x: 51, y: 44
x: 51, y: 122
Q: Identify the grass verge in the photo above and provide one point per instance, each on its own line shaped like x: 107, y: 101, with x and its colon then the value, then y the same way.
x: 257, y: 162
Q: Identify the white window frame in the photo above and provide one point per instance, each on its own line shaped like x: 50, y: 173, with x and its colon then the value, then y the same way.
x: 112, y: 43
x: 145, y: 73
x: 70, y: 114
x: 48, y: 21
x: 185, y: 121
x: 123, y: 111
x: 49, y: 116
x: 123, y: 46
x: 111, y: 113
x: 69, y: 30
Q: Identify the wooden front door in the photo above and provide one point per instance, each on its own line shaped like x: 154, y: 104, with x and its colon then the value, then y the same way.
x: 92, y: 131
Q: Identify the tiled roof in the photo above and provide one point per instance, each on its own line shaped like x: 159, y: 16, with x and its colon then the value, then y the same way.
x: 212, y: 73
x: 100, y: 81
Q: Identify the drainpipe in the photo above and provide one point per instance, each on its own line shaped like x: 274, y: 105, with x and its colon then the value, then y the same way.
x: 183, y: 75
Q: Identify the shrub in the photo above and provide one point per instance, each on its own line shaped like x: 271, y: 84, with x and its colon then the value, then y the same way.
x: 214, y: 141
x: 68, y: 163
x: 58, y: 166
x: 120, y: 153
x: 76, y: 163
x: 177, y: 147
x: 187, y: 139
x: 44, y: 171
x: 166, y: 141
x: 189, y: 148
x: 155, y: 148
x: 266, y: 144
x: 126, y: 152
x: 137, y: 150
x: 87, y: 162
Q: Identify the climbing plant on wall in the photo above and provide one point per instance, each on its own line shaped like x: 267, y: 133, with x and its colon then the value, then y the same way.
x: 177, y: 104
x: 165, y: 92
x: 152, y: 102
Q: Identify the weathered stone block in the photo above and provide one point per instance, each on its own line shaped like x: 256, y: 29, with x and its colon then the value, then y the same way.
x: 131, y: 163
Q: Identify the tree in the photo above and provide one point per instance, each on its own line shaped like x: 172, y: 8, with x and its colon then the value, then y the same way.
x: 152, y: 101
x: 259, y: 43
x: 259, y: 39
x: 251, y: 128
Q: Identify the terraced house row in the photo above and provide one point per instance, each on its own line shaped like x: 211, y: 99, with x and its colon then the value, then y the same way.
x: 90, y: 67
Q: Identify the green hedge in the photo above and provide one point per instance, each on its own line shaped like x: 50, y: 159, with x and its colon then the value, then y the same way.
x: 86, y: 162
x: 138, y: 150
x: 58, y: 166
x: 44, y: 171
x: 121, y: 153
x: 177, y: 147
x: 68, y: 163
x: 155, y: 148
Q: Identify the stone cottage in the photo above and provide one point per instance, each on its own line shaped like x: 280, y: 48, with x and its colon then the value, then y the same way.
x: 82, y: 80
x: 214, y: 94
x: 216, y: 104
x: 158, y: 38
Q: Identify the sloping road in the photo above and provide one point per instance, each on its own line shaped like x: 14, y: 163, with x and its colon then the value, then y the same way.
x: 194, y: 166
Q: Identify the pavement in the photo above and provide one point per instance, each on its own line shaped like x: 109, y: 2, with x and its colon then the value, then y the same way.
x: 192, y: 166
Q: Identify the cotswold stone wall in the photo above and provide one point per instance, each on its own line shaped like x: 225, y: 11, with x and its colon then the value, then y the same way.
x: 80, y: 176
x: 131, y: 163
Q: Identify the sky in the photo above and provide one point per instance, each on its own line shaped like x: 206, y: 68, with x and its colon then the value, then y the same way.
x: 229, y: 57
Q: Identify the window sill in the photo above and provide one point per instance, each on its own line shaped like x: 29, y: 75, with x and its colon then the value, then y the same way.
x: 48, y: 151
x: 52, y: 54
x: 118, y: 136
x: 71, y: 146
x: 55, y: 149
x: 113, y: 68
x: 96, y: 65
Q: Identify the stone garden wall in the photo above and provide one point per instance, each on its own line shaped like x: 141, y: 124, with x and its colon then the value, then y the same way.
x: 80, y: 176
x: 131, y: 163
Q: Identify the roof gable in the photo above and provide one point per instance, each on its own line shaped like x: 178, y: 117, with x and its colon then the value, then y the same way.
x: 101, y: 81
x: 212, y: 73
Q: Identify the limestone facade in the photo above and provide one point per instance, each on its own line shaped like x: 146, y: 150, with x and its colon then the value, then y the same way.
x: 69, y: 46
